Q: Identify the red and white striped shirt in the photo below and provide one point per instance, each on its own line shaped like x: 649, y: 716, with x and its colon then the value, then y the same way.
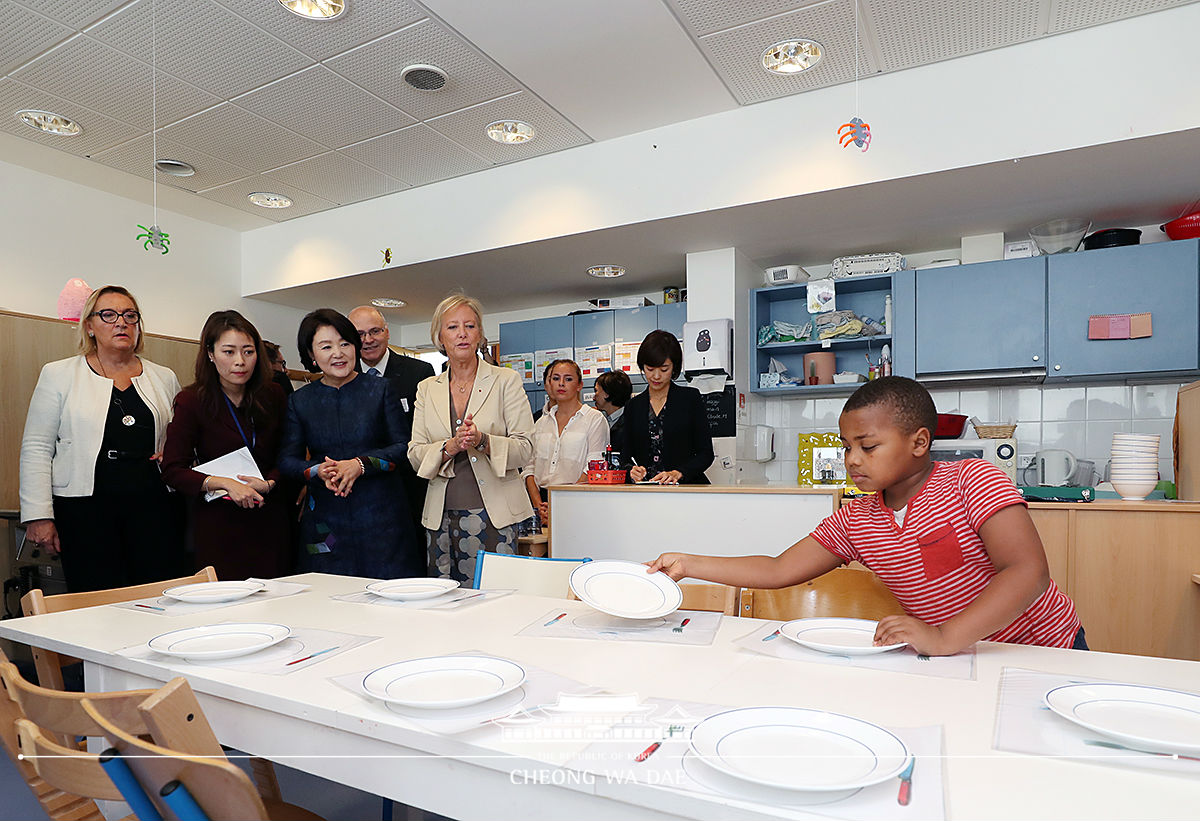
x: 936, y: 564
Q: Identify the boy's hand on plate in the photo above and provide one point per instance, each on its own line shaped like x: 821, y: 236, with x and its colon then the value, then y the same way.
x: 669, y: 563
x: 924, y: 638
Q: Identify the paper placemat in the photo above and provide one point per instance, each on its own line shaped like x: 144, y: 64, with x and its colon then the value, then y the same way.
x: 1024, y: 724
x: 672, y: 765
x: 513, y: 715
x: 165, y: 606
x: 305, y: 647
x: 454, y: 600
x: 768, y: 641
x: 681, y: 627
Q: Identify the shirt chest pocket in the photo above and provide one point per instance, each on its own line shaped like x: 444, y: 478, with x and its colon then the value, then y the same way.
x: 543, y: 445
x: 573, y: 446
x: 941, y: 552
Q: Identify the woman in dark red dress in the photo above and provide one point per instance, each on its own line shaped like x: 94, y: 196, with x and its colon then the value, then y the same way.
x: 232, y: 404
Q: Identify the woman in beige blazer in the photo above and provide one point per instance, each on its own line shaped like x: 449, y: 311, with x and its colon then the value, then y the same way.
x: 471, y: 434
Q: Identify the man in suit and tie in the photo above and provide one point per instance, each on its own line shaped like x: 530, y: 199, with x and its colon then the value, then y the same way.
x: 405, y: 373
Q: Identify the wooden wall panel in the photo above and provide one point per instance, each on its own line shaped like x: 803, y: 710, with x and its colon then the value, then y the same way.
x: 1053, y: 526
x: 29, y: 342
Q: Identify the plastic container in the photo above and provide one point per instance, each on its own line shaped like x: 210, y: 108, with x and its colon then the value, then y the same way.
x: 606, y: 477
x: 823, y: 363
x: 950, y: 426
x: 1112, y: 238
x: 1060, y: 236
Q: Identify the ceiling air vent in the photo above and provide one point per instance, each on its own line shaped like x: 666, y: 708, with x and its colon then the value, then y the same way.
x: 424, y: 78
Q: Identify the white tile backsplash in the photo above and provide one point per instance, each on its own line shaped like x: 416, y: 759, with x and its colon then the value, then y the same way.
x: 1081, y: 419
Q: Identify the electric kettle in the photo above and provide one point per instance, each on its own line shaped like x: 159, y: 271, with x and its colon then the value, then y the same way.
x: 1053, y: 467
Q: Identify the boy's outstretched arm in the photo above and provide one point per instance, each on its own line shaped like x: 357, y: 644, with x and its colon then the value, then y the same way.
x: 804, y: 560
x: 1016, y: 551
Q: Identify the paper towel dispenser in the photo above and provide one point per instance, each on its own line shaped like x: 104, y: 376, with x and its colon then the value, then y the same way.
x: 755, y: 443
x: 708, y: 348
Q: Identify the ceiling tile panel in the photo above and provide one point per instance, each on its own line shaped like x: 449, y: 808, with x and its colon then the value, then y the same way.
x: 135, y: 157
x: 416, y: 155
x: 361, y: 22
x: 736, y: 53
x: 325, y: 107
x: 336, y: 177
x: 553, y: 131
x: 242, y: 138
x: 115, y: 83
x: 916, y: 32
x: 235, y: 194
x: 203, y: 44
x: 377, y: 67
x: 1066, y: 15
x: 74, y: 13
x: 25, y: 35
x: 708, y: 16
x: 99, y: 132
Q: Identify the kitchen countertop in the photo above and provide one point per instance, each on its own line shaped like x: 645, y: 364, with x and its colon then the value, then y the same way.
x: 757, y: 489
x: 1149, y: 506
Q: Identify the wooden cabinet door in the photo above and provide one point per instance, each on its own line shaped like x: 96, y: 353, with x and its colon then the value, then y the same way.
x: 1053, y: 526
x: 1131, y: 579
x: 1159, y: 279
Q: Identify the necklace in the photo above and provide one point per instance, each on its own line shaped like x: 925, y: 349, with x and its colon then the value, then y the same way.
x: 127, y: 420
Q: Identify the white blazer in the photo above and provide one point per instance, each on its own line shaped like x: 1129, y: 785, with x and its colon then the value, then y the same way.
x: 501, y: 410
x: 65, y: 427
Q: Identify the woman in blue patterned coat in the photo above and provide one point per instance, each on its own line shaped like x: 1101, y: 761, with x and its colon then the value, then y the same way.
x: 355, y: 519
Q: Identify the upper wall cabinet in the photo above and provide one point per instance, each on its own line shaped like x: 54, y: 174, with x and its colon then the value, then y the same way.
x: 984, y: 321
x: 1160, y: 279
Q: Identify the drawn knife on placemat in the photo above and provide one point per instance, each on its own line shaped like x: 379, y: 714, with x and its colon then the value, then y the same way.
x: 906, y: 783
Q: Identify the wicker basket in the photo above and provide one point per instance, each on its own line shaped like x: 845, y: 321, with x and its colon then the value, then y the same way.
x: 995, y: 431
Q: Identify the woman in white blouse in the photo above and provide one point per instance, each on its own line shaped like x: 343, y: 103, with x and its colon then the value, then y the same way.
x: 565, y: 437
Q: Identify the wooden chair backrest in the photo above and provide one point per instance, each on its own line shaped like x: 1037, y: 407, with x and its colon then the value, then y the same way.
x: 222, y: 789
x: 34, y: 603
x: 845, y: 592
x: 716, y: 598
x: 66, y: 768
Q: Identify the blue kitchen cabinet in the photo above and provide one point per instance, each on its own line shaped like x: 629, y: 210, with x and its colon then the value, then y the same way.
x: 671, y: 317
x: 593, y: 329
x: 982, y: 320
x: 1160, y: 279
x: 537, y: 400
x: 551, y: 333
x: 517, y: 337
x: 632, y: 324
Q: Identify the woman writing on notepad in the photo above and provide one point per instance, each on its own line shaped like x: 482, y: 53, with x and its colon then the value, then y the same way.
x: 233, y: 404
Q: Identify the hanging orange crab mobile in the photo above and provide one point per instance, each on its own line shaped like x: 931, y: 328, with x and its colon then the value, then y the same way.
x: 855, y: 131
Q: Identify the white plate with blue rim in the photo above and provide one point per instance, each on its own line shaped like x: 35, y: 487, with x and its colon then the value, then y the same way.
x: 211, y: 592
x: 842, y: 637
x: 796, y: 748
x: 412, y: 589
x: 219, y: 641
x: 625, y: 589
x: 1148, y: 718
x: 442, y: 682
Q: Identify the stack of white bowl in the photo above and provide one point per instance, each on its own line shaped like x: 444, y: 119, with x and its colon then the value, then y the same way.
x: 1134, y: 464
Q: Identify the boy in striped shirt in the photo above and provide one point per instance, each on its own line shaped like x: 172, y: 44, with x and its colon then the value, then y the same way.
x: 953, y: 541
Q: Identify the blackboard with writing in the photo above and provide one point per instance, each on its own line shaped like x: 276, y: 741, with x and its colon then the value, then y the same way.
x: 720, y: 409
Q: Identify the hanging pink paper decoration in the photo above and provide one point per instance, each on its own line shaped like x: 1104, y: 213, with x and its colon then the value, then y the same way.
x: 71, y: 299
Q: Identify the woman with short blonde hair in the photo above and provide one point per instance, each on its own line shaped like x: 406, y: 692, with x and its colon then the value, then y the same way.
x: 471, y: 435
x: 90, y: 486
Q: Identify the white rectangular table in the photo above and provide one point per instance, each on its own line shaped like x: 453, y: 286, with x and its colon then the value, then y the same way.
x: 306, y: 721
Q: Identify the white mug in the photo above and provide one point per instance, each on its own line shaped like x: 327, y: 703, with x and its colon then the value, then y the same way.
x: 1054, y: 467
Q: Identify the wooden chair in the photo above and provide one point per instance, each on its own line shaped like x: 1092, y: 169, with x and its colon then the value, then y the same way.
x: 845, y: 592
x: 716, y: 598
x: 34, y: 603
x: 525, y: 574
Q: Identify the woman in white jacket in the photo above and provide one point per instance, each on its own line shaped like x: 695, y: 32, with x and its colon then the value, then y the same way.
x: 90, y: 485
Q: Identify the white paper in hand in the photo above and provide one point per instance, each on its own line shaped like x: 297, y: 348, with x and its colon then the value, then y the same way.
x: 233, y: 464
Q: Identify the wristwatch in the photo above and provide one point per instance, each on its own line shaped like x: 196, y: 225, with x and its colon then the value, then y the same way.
x: 483, y: 439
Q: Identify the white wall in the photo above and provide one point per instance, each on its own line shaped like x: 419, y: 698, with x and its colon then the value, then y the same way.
x: 1015, y: 102
x: 53, y: 229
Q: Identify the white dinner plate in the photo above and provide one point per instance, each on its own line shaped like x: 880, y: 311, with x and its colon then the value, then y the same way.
x: 460, y: 719
x: 1150, y: 718
x: 443, y: 681
x: 795, y: 748
x: 412, y: 589
x: 843, y: 637
x: 625, y: 589
x: 209, y: 592
x: 219, y: 641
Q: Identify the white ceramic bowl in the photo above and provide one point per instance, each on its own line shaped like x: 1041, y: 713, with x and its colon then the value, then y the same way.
x: 1134, y: 489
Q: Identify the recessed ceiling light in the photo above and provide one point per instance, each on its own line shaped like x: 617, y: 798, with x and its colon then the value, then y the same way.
x: 315, y: 9
x: 510, y: 132
x: 424, y: 77
x: 50, y: 123
x: 176, y: 168
x: 388, y: 302
x: 792, y: 56
x: 606, y: 271
x: 264, y: 199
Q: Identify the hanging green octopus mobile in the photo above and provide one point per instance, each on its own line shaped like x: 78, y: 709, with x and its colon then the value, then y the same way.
x: 154, y: 237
